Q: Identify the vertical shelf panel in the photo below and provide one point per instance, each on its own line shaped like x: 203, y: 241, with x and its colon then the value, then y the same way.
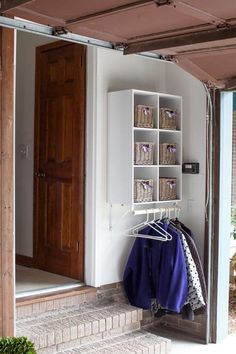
x: 120, y: 147
x: 172, y: 136
x: 147, y: 135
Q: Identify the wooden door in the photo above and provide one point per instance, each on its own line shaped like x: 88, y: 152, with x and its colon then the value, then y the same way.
x: 59, y: 159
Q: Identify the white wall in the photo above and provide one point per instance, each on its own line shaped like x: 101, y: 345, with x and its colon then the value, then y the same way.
x: 25, y: 90
x: 180, y: 82
x: 117, y: 72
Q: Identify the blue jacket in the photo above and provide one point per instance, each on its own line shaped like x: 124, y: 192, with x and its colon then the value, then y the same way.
x: 156, y: 269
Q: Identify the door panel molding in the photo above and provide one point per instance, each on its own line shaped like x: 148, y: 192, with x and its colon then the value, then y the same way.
x: 60, y: 159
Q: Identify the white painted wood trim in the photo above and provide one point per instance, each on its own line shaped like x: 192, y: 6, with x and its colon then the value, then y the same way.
x: 226, y: 116
x: 91, y: 268
x: 14, y: 175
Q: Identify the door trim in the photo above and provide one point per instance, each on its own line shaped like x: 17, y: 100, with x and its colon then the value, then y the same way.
x: 7, y: 278
x: 221, y: 221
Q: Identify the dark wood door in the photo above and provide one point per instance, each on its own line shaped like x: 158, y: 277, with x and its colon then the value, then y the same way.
x: 59, y: 159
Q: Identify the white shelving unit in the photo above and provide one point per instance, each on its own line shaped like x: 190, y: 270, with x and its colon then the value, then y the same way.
x: 122, y: 134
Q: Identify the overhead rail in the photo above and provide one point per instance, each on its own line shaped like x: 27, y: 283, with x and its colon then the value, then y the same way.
x: 49, y: 31
x: 64, y: 34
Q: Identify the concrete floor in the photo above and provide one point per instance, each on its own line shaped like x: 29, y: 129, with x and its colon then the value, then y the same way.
x: 227, y: 346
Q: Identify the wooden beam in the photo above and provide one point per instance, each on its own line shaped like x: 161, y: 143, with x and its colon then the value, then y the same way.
x: 209, y: 35
x: 211, y: 242
x: 6, y: 183
x: 215, y: 215
x: 7, y: 5
x: 231, y: 84
x: 207, y: 52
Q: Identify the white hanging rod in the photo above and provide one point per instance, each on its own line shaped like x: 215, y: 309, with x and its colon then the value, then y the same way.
x: 156, y: 210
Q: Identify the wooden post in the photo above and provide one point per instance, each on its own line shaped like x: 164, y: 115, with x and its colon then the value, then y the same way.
x: 215, y: 240
x: 6, y: 183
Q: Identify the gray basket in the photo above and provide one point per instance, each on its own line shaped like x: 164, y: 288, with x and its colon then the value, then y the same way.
x: 167, y: 188
x: 167, y: 154
x: 143, y: 153
x: 144, y: 116
x: 143, y: 190
x: 167, y: 118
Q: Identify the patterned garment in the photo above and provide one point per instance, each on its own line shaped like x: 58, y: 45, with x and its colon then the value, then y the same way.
x: 194, y: 252
x: 195, y: 295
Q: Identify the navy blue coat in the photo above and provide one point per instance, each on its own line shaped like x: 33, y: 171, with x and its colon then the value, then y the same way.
x: 156, y: 269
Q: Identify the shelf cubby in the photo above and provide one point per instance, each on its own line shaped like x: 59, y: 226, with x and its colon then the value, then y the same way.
x: 122, y: 136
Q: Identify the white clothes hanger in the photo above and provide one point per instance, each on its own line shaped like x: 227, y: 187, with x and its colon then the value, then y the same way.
x: 133, y: 232
x: 139, y: 225
x: 160, y: 230
x: 156, y: 238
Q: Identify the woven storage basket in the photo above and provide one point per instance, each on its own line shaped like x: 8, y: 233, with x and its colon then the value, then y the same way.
x: 167, y: 188
x: 167, y: 154
x: 143, y: 190
x: 144, y: 116
x: 143, y: 153
x: 167, y: 118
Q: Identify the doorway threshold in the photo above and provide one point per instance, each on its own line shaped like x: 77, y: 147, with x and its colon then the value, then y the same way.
x: 47, y: 291
x: 35, y: 282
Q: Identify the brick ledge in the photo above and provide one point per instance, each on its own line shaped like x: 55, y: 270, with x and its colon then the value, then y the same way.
x: 61, y: 294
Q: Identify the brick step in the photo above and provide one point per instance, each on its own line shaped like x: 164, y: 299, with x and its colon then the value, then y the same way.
x: 135, y: 342
x: 26, y: 307
x: 78, y: 325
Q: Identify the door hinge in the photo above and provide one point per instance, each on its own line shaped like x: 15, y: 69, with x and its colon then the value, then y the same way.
x: 77, y: 246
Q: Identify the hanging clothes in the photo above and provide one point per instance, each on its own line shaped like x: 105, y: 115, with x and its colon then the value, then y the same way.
x: 156, y: 269
x: 195, y: 296
x: 137, y: 277
x: 169, y: 272
x: 194, y: 252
